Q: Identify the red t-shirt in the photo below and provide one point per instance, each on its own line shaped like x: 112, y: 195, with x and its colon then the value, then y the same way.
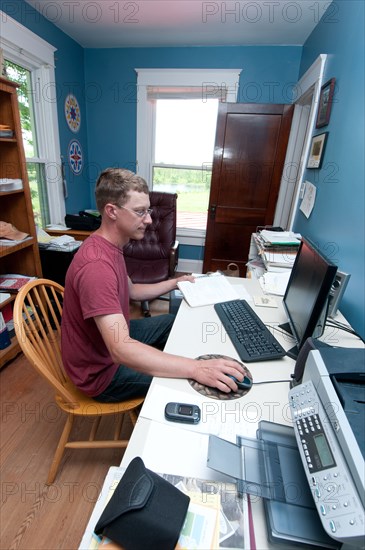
x: 96, y: 284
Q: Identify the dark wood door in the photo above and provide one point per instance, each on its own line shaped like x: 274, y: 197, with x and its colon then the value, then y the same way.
x: 249, y: 154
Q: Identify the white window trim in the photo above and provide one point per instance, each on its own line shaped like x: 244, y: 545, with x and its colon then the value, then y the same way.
x: 172, y: 77
x: 145, y: 119
x: 22, y: 46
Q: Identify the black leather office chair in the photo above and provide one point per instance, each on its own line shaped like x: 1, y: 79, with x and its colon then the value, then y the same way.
x: 154, y: 258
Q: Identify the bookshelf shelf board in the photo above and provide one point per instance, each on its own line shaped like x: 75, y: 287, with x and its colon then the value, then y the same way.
x: 10, y: 249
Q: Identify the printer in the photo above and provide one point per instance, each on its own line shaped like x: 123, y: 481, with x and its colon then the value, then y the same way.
x: 328, y: 411
x: 311, y: 476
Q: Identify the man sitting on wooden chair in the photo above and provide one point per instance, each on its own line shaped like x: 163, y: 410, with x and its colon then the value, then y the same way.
x: 108, y: 356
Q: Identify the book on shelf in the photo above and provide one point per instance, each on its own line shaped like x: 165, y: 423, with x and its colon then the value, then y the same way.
x: 13, y: 242
x: 11, y: 184
x: 6, y: 131
x: 7, y: 312
x: 13, y: 282
x: 4, y: 296
x: 4, y: 334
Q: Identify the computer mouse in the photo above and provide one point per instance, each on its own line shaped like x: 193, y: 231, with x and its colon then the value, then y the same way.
x: 244, y: 385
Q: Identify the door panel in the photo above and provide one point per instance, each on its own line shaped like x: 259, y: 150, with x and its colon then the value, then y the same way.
x: 251, y: 141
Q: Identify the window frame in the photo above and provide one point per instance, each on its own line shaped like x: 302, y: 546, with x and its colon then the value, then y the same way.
x: 146, y: 117
x: 23, y: 47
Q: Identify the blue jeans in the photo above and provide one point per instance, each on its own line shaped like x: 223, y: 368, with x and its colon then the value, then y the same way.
x: 128, y: 383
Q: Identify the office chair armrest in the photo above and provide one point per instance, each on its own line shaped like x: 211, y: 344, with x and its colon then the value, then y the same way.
x: 174, y: 257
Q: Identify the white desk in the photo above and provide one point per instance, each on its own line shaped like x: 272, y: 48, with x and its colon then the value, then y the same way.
x: 181, y: 450
x: 176, y: 449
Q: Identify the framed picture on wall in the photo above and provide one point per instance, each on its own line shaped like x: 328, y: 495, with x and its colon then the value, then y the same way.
x: 325, y: 103
x: 316, y: 150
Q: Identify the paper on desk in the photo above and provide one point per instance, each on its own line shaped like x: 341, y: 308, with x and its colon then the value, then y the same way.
x: 201, y: 527
x: 207, y: 290
x: 222, y: 418
x: 170, y: 449
x: 275, y: 283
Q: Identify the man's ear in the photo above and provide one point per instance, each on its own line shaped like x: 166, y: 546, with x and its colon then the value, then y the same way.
x: 110, y: 210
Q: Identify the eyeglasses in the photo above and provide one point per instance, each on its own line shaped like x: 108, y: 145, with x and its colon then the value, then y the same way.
x: 139, y: 213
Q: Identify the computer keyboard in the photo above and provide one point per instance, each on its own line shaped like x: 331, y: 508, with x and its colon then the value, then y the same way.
x: 251, y: 338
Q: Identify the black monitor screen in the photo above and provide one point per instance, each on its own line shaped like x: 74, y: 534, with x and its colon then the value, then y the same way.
x: 306, y: 296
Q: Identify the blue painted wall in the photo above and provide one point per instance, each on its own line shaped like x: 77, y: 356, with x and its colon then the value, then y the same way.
x: 337, y: 221
x: 104, y: 83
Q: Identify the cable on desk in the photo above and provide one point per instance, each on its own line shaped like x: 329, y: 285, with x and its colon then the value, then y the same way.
x: 281, y: 331
x: 271, y: 382
x: 345, y: 328
x: 332, y: 323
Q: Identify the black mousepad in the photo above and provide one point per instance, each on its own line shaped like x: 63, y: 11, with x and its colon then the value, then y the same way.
x: 214, y: 393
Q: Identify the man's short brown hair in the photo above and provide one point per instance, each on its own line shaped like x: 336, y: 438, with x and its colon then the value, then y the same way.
x: 114, y: 184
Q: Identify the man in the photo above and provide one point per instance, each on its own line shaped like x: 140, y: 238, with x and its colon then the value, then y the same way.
x: 107, y: 356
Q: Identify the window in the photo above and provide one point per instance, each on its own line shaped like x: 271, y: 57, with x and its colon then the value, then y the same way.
x: 35, y: 165
x: 29, y: 60
x: 176, y: 122
x: 183, y: 154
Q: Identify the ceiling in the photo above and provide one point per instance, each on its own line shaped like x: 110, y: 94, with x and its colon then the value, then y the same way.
x: 159, y: 23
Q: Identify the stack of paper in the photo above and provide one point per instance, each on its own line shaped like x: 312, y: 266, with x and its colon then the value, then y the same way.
x: 279, y: 238
x: 278, y: 258
x: 65, y: 243
x: 207, y: 290
x: 277, y: 249
x: 275, y: 283
x: 13, y: 242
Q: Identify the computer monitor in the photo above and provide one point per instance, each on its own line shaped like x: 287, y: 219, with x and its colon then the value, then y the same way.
x: 307, y: 294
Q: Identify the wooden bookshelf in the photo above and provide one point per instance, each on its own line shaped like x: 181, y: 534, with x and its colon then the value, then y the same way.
x: 16, y: 205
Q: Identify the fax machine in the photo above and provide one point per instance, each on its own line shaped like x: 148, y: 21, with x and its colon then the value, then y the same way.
x: 311, y: 476
x: 328, y: 411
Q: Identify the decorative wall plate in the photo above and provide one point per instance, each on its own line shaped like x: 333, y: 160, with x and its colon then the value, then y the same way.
x: 75, y: 156
x: 72, y: 113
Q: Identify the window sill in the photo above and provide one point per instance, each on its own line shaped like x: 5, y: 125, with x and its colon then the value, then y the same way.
x: 193, y: 237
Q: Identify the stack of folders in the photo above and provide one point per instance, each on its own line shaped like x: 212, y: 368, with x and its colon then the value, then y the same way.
x: 277, y: 250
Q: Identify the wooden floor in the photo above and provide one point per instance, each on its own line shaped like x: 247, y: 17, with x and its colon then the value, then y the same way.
x: 32, y: 515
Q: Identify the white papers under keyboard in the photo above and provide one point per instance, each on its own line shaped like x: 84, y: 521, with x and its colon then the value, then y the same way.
x: 207, y: 290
